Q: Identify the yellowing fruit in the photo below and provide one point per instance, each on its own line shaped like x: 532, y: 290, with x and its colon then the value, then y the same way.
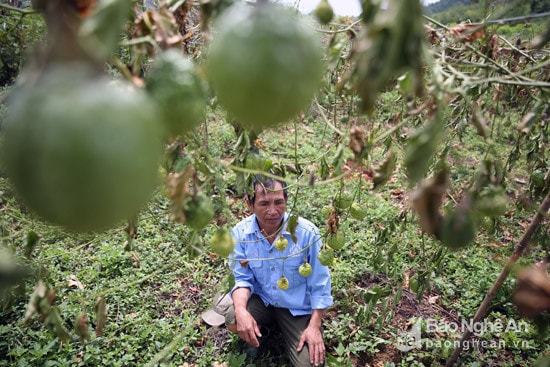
x: 81, y: 151
x: 305, y: 269
x: 222, y: 243
x: 280, y: 243
x: 282, y: 283
x: 265, y: 64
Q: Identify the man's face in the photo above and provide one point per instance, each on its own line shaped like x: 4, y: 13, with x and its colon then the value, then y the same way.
x: 269, y: 207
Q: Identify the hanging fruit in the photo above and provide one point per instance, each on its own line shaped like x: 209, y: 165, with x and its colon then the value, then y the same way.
x: 251, y: 80
x: 198, y: 210
x: 324, y: 12
x: 86, y: 155
x: 280, y: 243
x: 222, y: 243
x: 358, y: 211
x: 175, y: 85
x: 326, y: 257
x: 458, y: 228
x: 336, y: 241
x: 282, y: 283
x: 343, y: 200
x: 305, y: 269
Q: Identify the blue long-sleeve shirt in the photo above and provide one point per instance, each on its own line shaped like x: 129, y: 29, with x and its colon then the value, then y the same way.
x: 257, y: 265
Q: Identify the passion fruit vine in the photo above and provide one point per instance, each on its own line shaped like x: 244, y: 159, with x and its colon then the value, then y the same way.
x: 80, y: 151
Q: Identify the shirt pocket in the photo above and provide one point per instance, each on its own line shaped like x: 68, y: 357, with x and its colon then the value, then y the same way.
x: 258, y: 269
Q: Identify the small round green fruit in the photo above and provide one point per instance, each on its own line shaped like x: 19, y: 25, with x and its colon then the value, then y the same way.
x: 326, y: 257
x: 176, y: 86
x: 281, y: 243
x: 336, y: 241
x: 265, y: 64
x: 343, y: 200
x: 198, y: 210
x: 324, y: 12
x: 305, y: 270
x: 222, y: 243
x: 358, y: 211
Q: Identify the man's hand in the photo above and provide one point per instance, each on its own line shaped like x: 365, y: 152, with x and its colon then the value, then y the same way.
x: 247, y: 328
x: 314, y: 340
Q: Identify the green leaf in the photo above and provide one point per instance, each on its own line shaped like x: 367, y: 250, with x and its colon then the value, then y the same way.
x: 32, y: 241
x: 324, y: 170
x: 55, y: 324
x: 338, y: 160
x: 292, y: 225
x: 383, y: 172
x: 421, y: 149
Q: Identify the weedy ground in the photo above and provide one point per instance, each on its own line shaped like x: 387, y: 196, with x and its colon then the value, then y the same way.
x: 388, y: 276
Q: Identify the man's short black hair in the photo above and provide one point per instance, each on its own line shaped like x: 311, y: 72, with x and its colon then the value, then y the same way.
x: 265, y: 183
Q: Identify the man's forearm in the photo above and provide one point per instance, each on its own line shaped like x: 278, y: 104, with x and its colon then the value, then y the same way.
x: 240, y: 299
x: 316, y: 318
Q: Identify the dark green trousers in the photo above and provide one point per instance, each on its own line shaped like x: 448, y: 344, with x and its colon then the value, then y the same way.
x: 291, y: 327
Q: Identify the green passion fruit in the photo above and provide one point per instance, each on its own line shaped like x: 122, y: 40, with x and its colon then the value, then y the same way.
x: 174, y: 83
x: 255, y: 160
x: 326, y: 211
x: 222, y: 243
x: 457, y: 229
x: 336, y: 241
x: 198, y: 210
x: 323, y: 12
x: 265, y: 64
x: 326, y: 257
x: 343, y: 200
x: 358, y: 211
x: 81, y: 151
